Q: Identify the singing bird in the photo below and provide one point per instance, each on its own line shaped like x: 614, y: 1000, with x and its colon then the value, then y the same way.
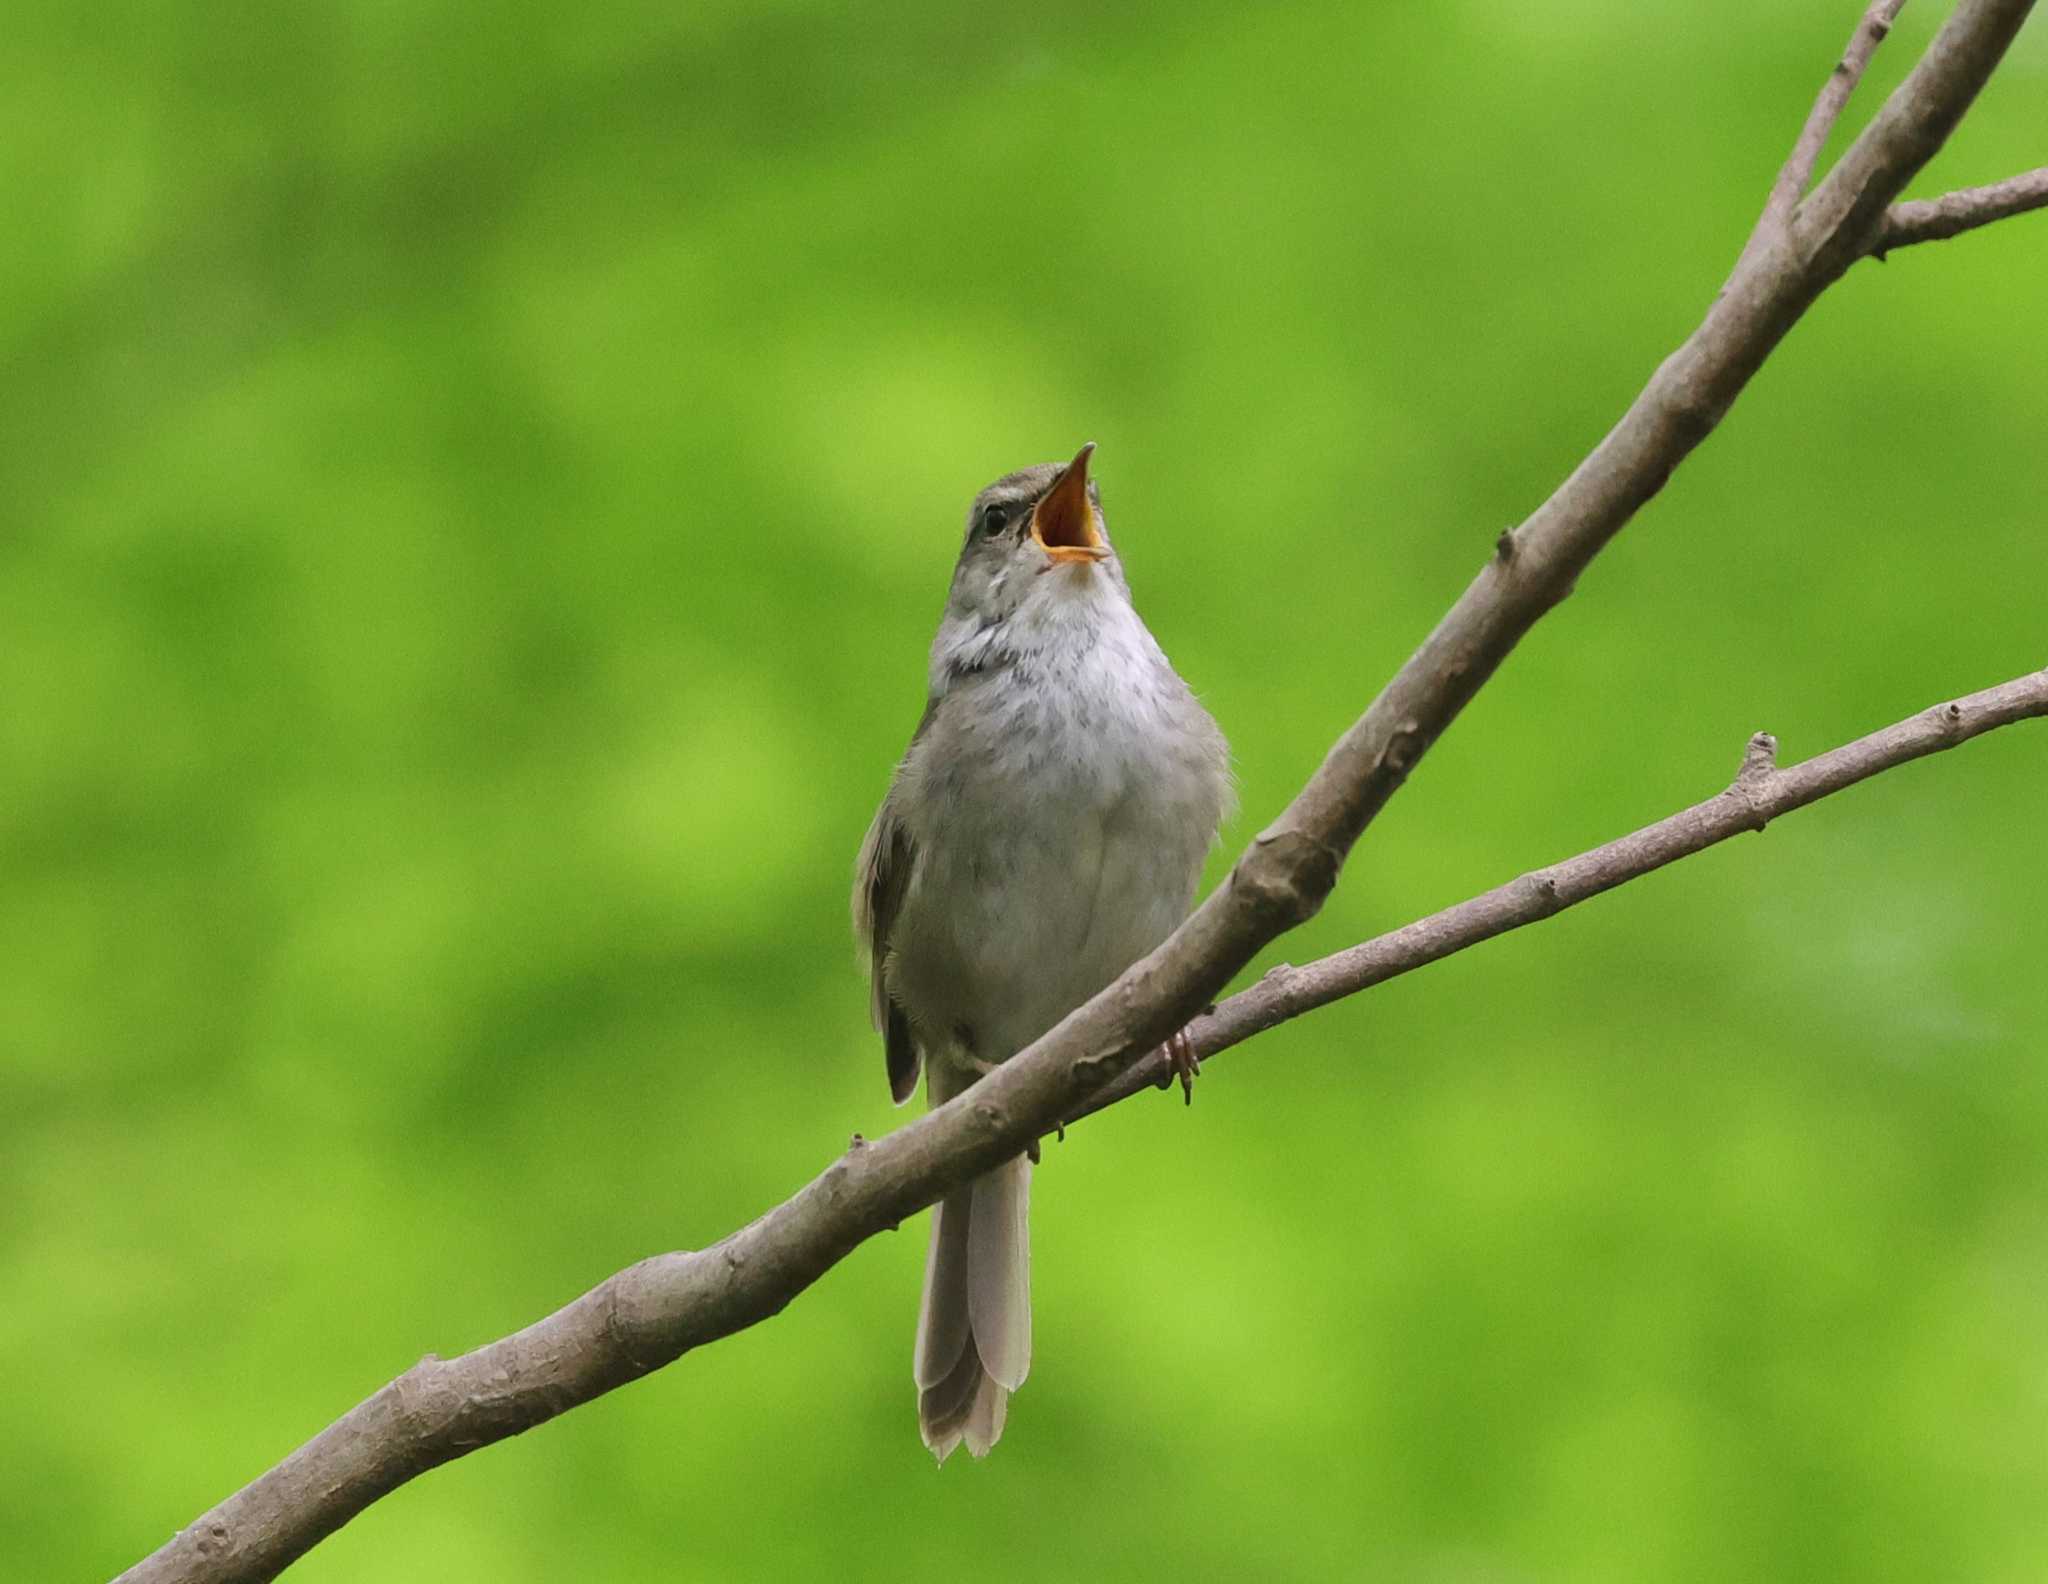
x: 1044, y: 830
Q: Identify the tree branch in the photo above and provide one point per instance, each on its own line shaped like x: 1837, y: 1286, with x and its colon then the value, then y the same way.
x: 648, y: 1315
x: 1797, y: 171
x: 1938, y: 219
x: 1839, y: 221
x: 1759, y: 794
x: 653, y: 1311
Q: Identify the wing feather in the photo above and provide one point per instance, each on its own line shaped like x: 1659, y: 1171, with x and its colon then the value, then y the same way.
x: 888, y: 857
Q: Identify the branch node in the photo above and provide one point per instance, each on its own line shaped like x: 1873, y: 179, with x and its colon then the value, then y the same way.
x: 1404, y: 746
x: 1287, y: 873
x: 857, y: 1142
x: 1759, y: 765
x: 1504, y: 546
x: 990, y: 1117
x: 1759, y: 759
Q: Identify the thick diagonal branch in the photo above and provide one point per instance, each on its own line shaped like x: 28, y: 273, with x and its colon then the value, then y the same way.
x: 652, y: 1313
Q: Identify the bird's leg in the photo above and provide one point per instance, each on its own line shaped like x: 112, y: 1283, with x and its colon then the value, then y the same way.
x: 1181, y: 1063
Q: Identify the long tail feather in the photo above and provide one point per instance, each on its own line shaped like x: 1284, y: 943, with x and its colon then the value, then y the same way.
x: 999, y: 1272
x: 974, y: 1324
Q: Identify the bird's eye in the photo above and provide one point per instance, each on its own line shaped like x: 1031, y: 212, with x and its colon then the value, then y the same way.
x: 994, y: 520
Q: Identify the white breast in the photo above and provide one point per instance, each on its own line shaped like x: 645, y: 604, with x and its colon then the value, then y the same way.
x: 1069, y: 802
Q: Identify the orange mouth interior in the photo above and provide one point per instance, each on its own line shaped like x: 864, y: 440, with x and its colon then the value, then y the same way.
x: 1063, y: 526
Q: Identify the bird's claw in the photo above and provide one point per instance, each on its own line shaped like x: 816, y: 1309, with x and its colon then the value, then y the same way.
x: 1181, y: 1063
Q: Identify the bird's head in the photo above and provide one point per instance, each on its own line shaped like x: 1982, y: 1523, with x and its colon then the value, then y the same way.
x: 1035, y: 541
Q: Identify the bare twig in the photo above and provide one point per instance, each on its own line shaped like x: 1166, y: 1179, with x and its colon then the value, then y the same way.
x: 1797, y: 171
x: 650, y: 1314
x: 1759, y: 794
x: 1838, y: 222
x: 1938, y: 219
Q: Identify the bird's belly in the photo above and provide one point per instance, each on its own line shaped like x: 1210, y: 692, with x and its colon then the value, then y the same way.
x: 1016, y: 919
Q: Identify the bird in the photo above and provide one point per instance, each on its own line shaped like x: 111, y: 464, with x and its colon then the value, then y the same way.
x: 1044, y: 830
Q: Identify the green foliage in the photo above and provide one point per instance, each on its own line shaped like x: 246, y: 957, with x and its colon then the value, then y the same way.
x: 478, y: 487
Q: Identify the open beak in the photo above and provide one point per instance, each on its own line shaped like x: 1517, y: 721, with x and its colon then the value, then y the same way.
x: 1063, y: 526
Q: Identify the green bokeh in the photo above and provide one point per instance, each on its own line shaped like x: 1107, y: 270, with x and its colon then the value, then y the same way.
x: 477, y: 488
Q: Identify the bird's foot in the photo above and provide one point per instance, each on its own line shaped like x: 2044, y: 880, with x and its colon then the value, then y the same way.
x: 1181, y: 1063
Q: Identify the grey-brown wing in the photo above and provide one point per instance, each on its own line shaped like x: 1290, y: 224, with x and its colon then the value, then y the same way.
x: 882, y: 876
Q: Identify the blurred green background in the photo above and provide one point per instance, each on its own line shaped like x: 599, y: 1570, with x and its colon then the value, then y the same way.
x: 477, y: 490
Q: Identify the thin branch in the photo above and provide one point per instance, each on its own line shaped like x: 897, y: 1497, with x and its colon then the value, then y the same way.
x: 1760, y: 793
x: 1797, y: 172
x: 1938, y: 219
x: 650, y: 1314
x: 1839, y: 221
